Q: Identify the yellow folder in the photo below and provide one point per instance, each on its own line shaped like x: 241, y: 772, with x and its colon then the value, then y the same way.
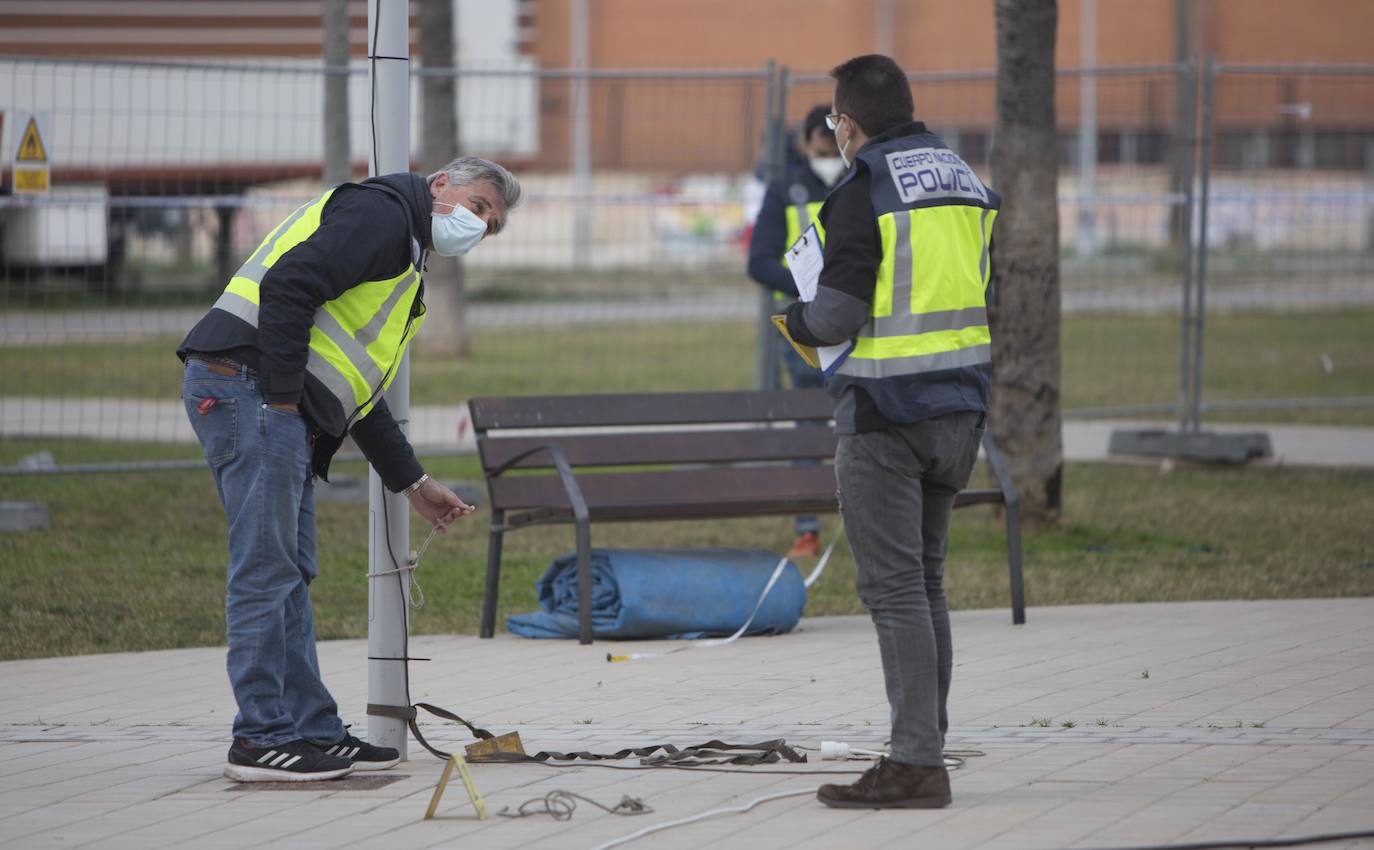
x: 807, y: 352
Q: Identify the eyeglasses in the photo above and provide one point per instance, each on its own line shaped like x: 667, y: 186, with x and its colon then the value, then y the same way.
x: 832, y: 121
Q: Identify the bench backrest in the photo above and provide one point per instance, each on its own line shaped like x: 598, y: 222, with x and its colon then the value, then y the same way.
x: 654, y: 428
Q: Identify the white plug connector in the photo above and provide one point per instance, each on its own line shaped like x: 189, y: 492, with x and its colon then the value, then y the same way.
x: 840, y: 751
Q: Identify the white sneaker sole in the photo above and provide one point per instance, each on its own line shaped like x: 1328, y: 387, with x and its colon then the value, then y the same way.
x: 376, y: 765
x: 248, y: 773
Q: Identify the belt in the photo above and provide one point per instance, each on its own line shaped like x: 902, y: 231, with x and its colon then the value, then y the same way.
x: 221, y: 365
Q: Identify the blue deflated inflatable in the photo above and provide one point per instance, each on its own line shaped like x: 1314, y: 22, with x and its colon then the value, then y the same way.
x: 666, y: 593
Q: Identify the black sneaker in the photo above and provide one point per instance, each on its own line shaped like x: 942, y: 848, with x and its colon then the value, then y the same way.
x: 363, y: 755
x: 296, y: 761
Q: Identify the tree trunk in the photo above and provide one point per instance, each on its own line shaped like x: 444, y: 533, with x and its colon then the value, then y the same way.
x: 1023, y: 302
x: 446, y: 331
x: 337, y: 156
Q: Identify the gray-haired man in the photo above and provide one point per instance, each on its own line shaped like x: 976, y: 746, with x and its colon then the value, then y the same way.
x: 294, y: 356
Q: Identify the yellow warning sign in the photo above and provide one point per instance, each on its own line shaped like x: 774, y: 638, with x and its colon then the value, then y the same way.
x: 31, y: 180
x: 31, y: 144
x: 31, y: 174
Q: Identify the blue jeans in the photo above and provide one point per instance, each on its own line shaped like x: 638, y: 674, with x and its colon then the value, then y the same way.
x: 260, y: 459
x: 801, y: 376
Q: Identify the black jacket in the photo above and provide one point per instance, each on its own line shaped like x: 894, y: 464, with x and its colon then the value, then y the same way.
x: 368, y: 231
x: 769, y: 240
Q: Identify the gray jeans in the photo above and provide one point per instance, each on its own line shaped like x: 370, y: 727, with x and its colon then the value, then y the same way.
x: 897, y: 491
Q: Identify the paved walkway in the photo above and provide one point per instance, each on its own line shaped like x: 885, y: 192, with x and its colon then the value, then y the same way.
x: 1100, y: 726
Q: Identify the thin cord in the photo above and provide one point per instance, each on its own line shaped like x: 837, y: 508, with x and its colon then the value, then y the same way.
x: 372, y: 59
x: 1200, y: 845
x: 1255, y: 842
x: 650, y: 830
x: 561, y: 805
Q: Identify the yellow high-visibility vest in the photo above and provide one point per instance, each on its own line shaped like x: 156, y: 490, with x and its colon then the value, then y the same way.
x: 357, y: 340
x: 935, y: 219
x: 799, y: 217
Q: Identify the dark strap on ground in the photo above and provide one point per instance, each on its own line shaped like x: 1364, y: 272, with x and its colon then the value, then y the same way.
x: 408, y: 714
x: 710, y: 753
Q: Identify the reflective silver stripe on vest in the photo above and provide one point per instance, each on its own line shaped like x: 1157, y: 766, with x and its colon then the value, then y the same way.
x: 803, y: 219
x: 924, y: 323
x: 938, y: 362
x: 333, y: 380
x: 254, y: 268
x: 237, y: 305
x: 352, y: 348
x: 896, y: 324
x: 983, y: 260
x: 373, y: 329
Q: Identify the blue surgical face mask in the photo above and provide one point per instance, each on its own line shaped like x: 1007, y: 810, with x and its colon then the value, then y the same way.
x: 457, y: 232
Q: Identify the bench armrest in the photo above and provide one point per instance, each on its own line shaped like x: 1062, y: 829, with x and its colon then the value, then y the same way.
x: 565, y: 475
x: 999, y: 471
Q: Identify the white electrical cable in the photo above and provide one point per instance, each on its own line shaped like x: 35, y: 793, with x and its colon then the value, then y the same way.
x: 772, y: 580
x: 650, y: 830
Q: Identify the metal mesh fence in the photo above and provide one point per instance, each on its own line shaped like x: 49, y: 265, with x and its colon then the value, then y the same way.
x: 1289, y: 244
x: 622, y: 270
x: 625, y: 268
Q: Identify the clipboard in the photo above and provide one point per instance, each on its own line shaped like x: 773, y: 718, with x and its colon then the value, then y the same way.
x: 805, y: 259
x: 807, y: 353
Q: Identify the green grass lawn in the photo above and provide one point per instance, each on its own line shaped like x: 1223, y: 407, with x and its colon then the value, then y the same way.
x: 1108, y: 360
x: 136, y: 561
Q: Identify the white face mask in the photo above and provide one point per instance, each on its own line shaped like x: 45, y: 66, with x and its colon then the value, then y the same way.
x: 843, y: 157
x: 828, y: 168
x: 457, y: 232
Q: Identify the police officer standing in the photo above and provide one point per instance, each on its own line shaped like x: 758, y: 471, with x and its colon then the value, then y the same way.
x: 907, y: 238
x: 789, y: 207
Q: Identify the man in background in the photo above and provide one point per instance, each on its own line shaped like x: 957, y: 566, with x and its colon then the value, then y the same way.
x: 789, y: 207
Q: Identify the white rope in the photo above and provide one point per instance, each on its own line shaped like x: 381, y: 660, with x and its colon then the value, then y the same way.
x: 415, y: 595
x: 650, y: 830
x: 772, y: 580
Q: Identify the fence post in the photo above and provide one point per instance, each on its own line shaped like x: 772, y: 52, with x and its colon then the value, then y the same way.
x: 1189, y: 130
x: 1086, y: 234
x: 765, y: 360
x: 579, y: 52
x: 338, y: 156
x: 1190, y: 442
x: 1209, y: 76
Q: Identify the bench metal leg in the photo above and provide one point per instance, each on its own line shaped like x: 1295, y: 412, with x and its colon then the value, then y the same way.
x: 1012, y: 501
x: 489, y: 594
x: 584, y: 582
x: 1018, y: 592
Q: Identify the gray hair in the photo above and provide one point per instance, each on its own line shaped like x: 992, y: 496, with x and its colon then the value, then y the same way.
x: 466, y: 170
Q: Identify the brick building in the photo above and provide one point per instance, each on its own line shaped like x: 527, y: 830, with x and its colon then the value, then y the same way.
x: 1278, y: 119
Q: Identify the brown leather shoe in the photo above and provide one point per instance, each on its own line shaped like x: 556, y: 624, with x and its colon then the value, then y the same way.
x: 890, y: 785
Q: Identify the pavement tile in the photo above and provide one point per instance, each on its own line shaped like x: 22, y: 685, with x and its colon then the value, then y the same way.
x: 1255, y: 721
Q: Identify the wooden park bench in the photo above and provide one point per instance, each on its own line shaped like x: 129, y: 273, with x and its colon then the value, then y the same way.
x: 669, y: 456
